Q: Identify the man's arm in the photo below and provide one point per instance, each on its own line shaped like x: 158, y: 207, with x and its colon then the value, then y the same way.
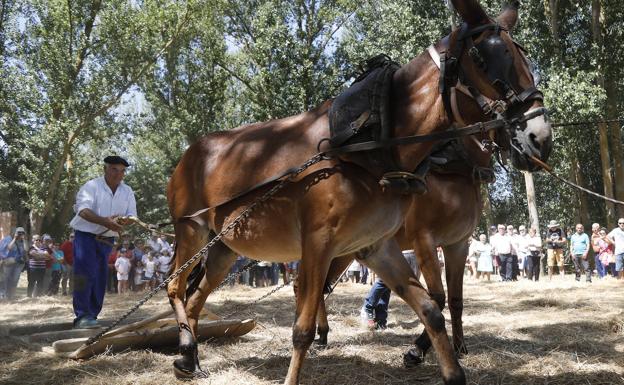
x: 108, y: 222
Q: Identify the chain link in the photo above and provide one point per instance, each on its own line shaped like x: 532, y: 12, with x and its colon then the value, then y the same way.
x: 204, y: 250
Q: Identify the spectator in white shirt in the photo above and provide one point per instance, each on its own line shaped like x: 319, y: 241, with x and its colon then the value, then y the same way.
x: 616, y: 237
x: 502, y: 247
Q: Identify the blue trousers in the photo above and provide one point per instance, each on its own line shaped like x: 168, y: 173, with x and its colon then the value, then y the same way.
x: 377, y: 300
x: 90, y: 274
x: 600, y: 268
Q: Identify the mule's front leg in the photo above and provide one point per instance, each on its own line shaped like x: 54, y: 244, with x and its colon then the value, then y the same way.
x: 389, y: 264
x: 312, y: 274
x: 430, y: 269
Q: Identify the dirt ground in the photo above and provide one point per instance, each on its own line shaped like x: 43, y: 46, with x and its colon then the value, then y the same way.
x: 559, y: 332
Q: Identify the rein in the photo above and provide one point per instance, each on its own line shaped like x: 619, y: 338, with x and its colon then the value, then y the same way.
x: 480, y: 127
x: 546, y: 167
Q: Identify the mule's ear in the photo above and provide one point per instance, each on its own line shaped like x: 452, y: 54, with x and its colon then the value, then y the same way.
x: 509, y: 15
x: 471, y: 11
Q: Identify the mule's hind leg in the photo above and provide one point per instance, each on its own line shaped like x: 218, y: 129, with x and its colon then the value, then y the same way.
x: 455, y: 256
x: 312, y: 274
x: 337, y: 267
x: 389, y: 264
x: 430, y: 268
x: 190, y: 237
x: 217, y: 265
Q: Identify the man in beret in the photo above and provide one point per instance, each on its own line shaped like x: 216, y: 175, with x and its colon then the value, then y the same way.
x: 99, y: 205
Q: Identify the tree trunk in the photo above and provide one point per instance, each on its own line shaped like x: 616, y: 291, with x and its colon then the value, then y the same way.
x: 487, y: 207
x: 531, y: 202
x: 616, y: 145
x: 579, y: 179
x: 552, y: 13
x: 605, y: 157
x: 607, y: 180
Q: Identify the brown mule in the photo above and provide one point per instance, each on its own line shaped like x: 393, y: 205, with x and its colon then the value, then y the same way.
x: 446, y: 216
x: 334, y: 208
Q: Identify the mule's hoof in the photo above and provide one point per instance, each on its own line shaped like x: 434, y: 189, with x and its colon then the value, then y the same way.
x: 413, y: 358
x: 320, y: 342
x: 182, y: 370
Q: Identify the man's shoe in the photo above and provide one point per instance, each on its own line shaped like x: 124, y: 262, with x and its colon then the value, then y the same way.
x: 85, y: 323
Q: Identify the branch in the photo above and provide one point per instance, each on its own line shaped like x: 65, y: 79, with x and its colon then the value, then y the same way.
x: 71, y: 30
x: 331, y: 35
x: 245, y: 82
x: 95, y: 8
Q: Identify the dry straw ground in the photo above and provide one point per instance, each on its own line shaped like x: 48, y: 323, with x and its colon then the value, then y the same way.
x: 559, y: 332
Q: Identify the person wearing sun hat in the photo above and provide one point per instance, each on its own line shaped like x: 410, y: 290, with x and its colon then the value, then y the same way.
x: 99, y: 205
x: 555, y: 243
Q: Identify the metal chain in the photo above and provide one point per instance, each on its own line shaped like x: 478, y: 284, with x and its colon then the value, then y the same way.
x: 240, y: 308
x: 204, y: 250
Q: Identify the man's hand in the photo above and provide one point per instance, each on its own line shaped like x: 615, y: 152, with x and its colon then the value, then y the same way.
x: 124, y: 221
x: 111, y: 224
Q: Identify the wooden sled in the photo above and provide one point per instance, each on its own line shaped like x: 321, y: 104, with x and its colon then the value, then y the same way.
x: 152, y: 332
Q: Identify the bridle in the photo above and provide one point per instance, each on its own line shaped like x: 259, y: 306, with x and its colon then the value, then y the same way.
x: 446, y: 55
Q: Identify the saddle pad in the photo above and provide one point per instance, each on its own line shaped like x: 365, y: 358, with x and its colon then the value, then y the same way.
x: 360, y: 113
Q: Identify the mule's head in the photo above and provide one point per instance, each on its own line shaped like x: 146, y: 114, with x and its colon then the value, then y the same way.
x: 499, y: 81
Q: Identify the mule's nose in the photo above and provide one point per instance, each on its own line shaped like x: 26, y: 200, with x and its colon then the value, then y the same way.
x: 539, y: 135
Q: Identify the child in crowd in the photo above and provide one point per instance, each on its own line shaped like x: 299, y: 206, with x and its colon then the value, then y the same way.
x: 139, y: 284
x: 122, y: 265
x: 164, y: 262
x: 149, y: 269
x: 57, y: 269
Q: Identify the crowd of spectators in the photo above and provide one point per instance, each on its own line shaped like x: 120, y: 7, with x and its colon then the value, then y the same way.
x: 137, y: 264
x: 513, y: 253
x: 134, y: 265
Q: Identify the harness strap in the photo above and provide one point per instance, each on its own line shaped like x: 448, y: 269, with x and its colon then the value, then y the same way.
x: 480, y: 127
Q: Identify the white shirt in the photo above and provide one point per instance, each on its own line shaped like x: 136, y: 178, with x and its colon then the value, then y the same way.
x: 522, y: 249
x: 155, y: 244
x: 501, y: 244
x: 354, y: 266
x: 122, y: 265
x: 163, y: 263
x: 99, y: 198
x: 618, y: 237
x: 166, y: 246
x: 150, y: 268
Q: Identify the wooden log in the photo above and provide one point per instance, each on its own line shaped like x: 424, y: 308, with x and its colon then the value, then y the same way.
x: 64, y: 330
x: 152, y: 337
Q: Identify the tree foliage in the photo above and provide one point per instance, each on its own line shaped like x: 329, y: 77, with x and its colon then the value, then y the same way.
x: 145, y: 79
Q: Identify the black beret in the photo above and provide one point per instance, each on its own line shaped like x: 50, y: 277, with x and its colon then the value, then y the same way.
x: 114, y: 159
